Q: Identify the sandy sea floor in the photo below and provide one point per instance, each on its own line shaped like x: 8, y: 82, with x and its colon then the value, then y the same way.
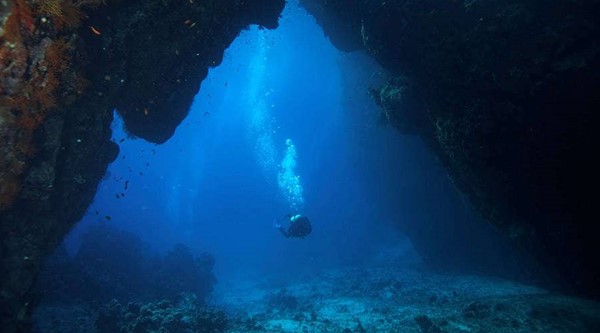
x: 380, y: 298
x: 388, y: 299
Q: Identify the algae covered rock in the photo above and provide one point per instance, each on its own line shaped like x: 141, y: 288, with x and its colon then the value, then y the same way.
x: 161, y: 317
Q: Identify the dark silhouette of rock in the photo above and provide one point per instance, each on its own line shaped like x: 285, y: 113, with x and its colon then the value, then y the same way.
x: 509, y: 94
x: 180, y: 272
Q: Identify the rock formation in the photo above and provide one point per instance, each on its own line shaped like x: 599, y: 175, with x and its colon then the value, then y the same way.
x: 506, y: 94
x: 64, y: 67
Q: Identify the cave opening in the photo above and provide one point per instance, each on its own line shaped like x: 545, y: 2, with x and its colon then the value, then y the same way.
x: 284, y: 125
x: 225, y: 177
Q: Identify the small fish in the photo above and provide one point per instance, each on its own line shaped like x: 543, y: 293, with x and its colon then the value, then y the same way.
x: 108, y: 218
x: 95, y: 31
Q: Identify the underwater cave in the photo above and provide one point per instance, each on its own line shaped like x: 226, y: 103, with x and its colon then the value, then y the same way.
x: 298, y: 166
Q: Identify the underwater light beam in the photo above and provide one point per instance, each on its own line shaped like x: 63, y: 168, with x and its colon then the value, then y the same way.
x: 262, y: 124
x: 259, y: 118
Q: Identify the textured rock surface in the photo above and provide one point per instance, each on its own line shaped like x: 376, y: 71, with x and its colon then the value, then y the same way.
x: 64, y: 67
x: 505, y: 93
x: 161, y: 317
x: 387, y: 299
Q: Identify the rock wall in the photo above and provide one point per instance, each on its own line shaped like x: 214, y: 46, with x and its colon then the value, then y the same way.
x: 505, y: 93
x: 64, y: 67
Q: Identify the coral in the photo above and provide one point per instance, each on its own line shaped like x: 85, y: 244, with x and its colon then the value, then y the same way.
x: 186, y: 316
x: 112, y: 264
x: 11, y: 29
x: 50, y: 8
x: 20, y: 16
x: 179, y: 271
x: 45, y: 100
x: 51, y: 200
x: 64, y: 14
x: 25, y: 15
x: 57, y: 57
x: 71, y: 17
x: 36, y: 78
x: 30, y: 121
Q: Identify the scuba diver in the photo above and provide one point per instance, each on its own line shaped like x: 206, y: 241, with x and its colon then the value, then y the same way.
x: 299, y: 226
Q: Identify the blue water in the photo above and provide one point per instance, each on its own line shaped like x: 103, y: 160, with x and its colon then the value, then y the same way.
x: 283, y: 125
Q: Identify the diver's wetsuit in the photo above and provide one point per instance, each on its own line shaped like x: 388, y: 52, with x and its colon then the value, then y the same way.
x: 299, y: 227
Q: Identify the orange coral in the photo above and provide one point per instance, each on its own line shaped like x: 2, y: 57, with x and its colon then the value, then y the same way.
x: 30, y: 120
x: 14, y: 59
x: 25, y: 15
x: 45, y: 99
x: 36, y: 77
x: 51, y: 8
x: 65, y: 14
x: 18, y: 102
x: 8, y: 191
x: 57, y: 57
x: 20, y: 16
x: 71, y: 17
x: 51, y: 82
x: 12, y: 27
